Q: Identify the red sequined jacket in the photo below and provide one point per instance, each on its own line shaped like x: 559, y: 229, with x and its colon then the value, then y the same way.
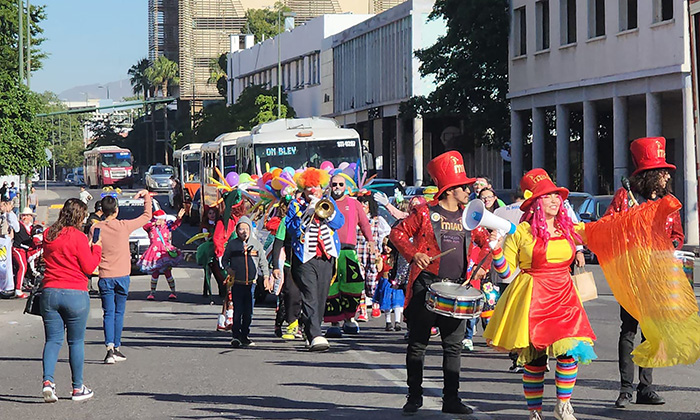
x: 674, y: 228
x: 419, y: 227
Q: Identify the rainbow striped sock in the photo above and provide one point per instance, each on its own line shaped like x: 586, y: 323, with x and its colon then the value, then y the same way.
x: 565, y: 377
x: 500, y: 264
x: 533, y: 386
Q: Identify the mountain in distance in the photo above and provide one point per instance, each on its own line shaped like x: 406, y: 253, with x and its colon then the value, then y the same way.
x: 117, y: 91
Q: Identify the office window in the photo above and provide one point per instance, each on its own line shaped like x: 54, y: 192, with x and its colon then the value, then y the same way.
x: 520, y: 32
x: 663, y: 10
x: 542, y: 15
x: 628, y: 14
x: 596, y: 18
x: 567, y: 10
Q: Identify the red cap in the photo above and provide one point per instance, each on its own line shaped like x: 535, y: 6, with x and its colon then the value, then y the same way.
x: 649, y: 153
x: 447, y: 170
x: 537, y: 183
x: 159, y: 214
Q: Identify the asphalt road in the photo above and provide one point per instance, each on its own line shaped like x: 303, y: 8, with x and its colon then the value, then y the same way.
x: 179, y: 367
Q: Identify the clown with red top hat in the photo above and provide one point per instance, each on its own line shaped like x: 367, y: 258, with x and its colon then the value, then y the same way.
x: 651, y: 180
x: 161, y: 256
x: 429, y: 230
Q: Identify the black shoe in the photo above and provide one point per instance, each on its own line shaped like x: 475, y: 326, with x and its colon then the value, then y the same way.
x: 650, y: 398
x: 109, y: 358
x: 388, y: 327
x: 623, y: 400
x: 397, y: 326
x: 412, y: 405
x: 236, y: 343
x: 118, y: 355
x: 246, y: 342
x: 278, y: 331
x: 455, y: 407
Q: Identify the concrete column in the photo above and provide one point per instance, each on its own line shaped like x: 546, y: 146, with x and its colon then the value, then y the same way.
x: 653, y: 114
x: 378, y: 150
x: 516, y: 148
x: 563, y: 139
x: 418, y: 150
x: 400, y: 153
x: 590, y: 148
x: 620, y: 139
x: 539, y: 130
x: 690, y: 176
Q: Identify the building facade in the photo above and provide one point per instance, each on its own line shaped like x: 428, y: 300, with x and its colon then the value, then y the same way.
x: 591, y: 76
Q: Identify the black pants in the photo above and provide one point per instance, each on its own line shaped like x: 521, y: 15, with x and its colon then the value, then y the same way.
x: 290, y: 300
x: 420, y: 321
x: 313, y: 279
x: 628, y: 330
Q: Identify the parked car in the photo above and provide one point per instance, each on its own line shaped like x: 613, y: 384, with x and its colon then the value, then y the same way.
x: 387, y: 186
x: 138, y: 240
x: 576, y: 199
x: 69, y: 179
x: 157, y: 178
x: 592, y: 209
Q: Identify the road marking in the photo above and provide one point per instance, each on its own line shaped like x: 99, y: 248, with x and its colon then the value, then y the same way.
x: 56, y: 206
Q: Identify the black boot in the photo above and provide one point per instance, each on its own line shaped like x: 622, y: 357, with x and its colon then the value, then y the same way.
x: 453, y: 406
x: 413, y: 403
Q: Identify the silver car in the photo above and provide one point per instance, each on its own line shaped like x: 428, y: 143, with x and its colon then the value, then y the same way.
x: 157, y: 178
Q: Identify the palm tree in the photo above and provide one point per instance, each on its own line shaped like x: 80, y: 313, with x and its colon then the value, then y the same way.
x: 161, y: 73
x: 139, y: 82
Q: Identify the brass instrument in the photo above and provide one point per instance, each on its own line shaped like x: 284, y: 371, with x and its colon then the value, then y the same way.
x: 324, y: 208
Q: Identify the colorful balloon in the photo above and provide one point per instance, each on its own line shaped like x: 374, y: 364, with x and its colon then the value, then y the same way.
x: 232, y: 178
x: 343, y: 165
x: 289, y: 170
x: 276, y: 172
x: 244, y: 178
x: 326, y: 166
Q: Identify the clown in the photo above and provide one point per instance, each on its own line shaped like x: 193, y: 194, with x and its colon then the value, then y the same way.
x: 161, y: 255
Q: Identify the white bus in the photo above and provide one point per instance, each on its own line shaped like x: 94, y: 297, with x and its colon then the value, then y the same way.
x: 218, y: 153
x: 298, y: 143
x: 187, y: 162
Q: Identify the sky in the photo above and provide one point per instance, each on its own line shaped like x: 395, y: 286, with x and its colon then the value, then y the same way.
x: 90, y: 41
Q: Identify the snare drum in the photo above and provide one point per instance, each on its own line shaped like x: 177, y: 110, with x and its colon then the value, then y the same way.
x: 454, y: 300
x: 687, y: 260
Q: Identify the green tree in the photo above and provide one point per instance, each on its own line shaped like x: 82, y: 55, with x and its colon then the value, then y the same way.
x: 470, y: 67
x: 9, y: 27
x: 69, y: 154
x: 140, y: 83
x: 217, y: 73
x: 105, y: 132
x: 263, y: 23
x: 267, y: 110
x: 162, y: 73
x: 22, y: 134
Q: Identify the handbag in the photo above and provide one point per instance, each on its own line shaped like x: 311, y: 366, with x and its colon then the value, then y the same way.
x: 33, y: 305
x: 171, y: 252
x: 585, y: 284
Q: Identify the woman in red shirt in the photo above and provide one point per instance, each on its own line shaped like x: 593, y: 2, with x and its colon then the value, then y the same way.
x: 65, y: 302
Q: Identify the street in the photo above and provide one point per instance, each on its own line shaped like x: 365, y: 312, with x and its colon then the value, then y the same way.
x: 179, y: 367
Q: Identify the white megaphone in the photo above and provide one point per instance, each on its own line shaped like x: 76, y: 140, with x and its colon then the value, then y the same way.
x: 476, y: 215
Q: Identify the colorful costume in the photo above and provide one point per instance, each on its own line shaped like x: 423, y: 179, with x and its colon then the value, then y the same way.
x: 161, y: 255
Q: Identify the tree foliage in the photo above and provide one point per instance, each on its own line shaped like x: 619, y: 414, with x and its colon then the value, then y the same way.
x: 140, y: 83
x: 9, y: 27
x: 162, y: 73
x: 263, y: 23
x: 65, y: 132
x: 470, y: 67
x: 22, y: 134
x: 217, y: 73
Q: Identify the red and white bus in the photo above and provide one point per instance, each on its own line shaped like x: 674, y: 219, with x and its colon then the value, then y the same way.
x: 108, y: 165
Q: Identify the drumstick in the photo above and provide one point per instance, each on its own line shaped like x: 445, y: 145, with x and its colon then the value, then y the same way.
x: 442, y: 254
x: 476, y: 268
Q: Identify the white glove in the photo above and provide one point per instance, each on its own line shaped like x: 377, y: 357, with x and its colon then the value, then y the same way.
x: 381, y: 198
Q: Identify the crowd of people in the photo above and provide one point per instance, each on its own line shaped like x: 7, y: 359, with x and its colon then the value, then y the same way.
x: 316, y: 240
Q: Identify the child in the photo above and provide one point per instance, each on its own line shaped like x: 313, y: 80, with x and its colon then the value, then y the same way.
x: 244, y: 258
x: 388, y: 294
x: 161, y: 255
x: 208, y: 226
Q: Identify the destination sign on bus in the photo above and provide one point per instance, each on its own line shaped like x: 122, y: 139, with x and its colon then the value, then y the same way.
x: 281, y: 151
x: 346, y: 143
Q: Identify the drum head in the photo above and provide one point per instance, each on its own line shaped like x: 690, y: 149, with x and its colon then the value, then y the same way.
x: 454, y: 290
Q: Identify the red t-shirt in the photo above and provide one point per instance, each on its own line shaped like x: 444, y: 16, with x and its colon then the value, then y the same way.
x: 69, y: 259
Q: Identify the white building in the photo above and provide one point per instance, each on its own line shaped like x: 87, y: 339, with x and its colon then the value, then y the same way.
x: 624, y: 63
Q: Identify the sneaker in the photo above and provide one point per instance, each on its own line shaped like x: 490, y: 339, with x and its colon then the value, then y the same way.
x: 20, y: 295
x: 49, y: 391
x: 118, y: 355
x: 467, y: 344
x: 82, y: 393
x: 412, y: 405
x: 515, y: 368
x: 376, y: 313
x: 292, y: 330
x: 247, y: 342
x: 362, y: 317
x: 319, y: 344
x: 623, y: 400
x: 334, y: 332
x: 278, y: 331
x: 351, y: 327
x: 564, y: 411
x: 220, y: 324
x: 535, y: 415
x: 650, y: 398
x: 236, y: 343
x: 150, y: 297
x: 455, y: 407
x: 397, y: 326
x: 109, y: 358
x: 388, y: 327
x: 172, y: 296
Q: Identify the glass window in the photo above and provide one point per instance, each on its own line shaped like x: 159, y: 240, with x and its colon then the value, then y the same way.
x: 542, y: 11
x: 568, y: 21
x: 520, y: 31
x: 628, y: 14
x: 596, y: 18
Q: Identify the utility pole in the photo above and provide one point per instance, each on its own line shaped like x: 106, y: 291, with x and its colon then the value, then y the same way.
x: 29, y: 45
x: 20, y: 6
x: 279, y: 65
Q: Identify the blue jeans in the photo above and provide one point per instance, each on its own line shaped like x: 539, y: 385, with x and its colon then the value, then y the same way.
x: 64, y: 309
x: 243, y: 301
x: 113, y: 292
x: 471, y: 325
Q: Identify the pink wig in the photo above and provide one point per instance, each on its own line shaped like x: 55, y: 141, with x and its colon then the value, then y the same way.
x: 535, y: 217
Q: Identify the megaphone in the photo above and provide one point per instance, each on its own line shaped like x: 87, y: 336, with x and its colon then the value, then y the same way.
x: 476, y: 215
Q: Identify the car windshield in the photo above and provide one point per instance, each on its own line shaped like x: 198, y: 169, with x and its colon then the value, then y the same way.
x: 116, y: 160
x: 603, y: 205
x: 386, y: 215
x: 386, y: 186
x: 576, y: 202
x: 308, y: 153
x: 162, y: 170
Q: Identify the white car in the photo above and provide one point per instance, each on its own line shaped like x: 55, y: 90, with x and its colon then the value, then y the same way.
x: 138, y: 240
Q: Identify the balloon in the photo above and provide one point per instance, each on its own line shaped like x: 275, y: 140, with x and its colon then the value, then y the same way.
x: 289, y: 170
x: 267, y: 177
x: 277, y: 184
x: 326, y: 166
x: 232, y: 178
x: 276, y: 172
x: 353, y: 166
x: 244, y: 178
x: 343, y: 165
x: 267, y: 166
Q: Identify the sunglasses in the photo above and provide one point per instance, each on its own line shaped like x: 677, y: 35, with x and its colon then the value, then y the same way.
x: 337, y: 184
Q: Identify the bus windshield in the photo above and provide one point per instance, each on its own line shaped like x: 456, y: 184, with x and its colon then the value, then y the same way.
x: 190, y: 170
x: 308, y: 153
x: 116, y: 160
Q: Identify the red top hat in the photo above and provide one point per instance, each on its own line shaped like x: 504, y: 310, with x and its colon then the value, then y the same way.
x: 447, y: 170
x: 649, y: 153
x: 537, y: 183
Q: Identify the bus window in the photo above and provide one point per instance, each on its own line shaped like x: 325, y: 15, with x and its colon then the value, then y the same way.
x: 116, y: 160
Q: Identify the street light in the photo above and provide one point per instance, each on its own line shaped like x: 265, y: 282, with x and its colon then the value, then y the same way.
x: 279, y: 60
x: 104, y: 87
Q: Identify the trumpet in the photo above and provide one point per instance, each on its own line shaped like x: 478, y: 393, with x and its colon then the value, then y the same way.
x: 324, y: 208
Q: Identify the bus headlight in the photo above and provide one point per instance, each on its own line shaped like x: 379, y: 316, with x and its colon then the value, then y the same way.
x: 105, y: 173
